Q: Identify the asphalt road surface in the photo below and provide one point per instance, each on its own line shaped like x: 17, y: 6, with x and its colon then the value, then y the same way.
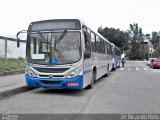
x: 132, y: 89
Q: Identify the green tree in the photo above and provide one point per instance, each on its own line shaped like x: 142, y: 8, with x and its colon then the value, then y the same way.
x: 136, y: 32
x: 155, y: 41
x: 137, y: 50
x: 156, y: 53
x: 116, y: 36
x: 154, y: 36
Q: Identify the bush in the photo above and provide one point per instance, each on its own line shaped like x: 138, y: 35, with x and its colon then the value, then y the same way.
x: 12, y: 64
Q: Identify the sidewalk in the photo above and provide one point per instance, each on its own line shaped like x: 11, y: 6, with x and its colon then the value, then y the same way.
x: 11, y: 73
x: 12, y: 84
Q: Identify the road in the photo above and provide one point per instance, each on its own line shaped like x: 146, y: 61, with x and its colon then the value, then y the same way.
x: 132, y: 89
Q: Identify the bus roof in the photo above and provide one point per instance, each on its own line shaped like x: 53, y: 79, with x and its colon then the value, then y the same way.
x: 55, y: 24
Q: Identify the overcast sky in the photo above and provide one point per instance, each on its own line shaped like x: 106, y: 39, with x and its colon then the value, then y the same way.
x: 16, y: 15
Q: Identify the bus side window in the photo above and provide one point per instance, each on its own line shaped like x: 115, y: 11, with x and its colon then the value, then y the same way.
x: 113, y: 50
x: 93, y: 42
x: 98, y: 45
x: 105, y: 47
x: 87, y: 39
x: 102, y: 46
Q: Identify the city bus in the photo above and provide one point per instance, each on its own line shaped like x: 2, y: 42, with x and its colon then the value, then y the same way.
x: 116, y: 57
x: 65, y: 53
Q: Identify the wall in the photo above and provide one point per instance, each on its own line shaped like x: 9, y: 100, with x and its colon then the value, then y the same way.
x: 8, y: 48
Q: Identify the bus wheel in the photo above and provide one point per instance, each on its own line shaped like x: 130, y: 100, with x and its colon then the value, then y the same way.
x: 119, y: 65
x: 93, y: 79
x: 106, y: 75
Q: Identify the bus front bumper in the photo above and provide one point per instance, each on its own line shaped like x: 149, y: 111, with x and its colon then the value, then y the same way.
x: 59, y: 83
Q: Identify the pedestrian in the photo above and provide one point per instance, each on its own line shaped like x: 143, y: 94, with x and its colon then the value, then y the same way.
x: 123, y: 61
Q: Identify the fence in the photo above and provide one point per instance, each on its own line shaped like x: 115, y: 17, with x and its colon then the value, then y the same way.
x: 8, y: 48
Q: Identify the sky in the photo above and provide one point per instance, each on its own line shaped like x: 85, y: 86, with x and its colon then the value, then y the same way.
x: 16, y: 15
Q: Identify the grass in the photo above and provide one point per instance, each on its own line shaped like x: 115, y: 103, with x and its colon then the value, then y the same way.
x: 12, y: 65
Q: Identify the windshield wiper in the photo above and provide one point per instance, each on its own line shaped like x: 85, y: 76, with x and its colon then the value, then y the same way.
x: 42, y: 36
x: 60, y: 37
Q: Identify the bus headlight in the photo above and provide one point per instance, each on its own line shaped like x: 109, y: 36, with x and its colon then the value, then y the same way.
x: 30, y: 73
x: 74, y: 73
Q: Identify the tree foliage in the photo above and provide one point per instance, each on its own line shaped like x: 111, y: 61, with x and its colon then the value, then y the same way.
x: 131, y: 41
x: 116, y: 36
x: 156, y: 44
x: 136, y: 32
x: 156, y: 53
x: 137, y: 50
x: 154, y: 36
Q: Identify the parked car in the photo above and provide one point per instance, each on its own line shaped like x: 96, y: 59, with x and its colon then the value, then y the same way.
x: 155, y: 63
x: 150, y: 60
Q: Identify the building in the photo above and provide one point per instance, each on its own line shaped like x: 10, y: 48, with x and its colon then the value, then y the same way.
x: 148, y: 46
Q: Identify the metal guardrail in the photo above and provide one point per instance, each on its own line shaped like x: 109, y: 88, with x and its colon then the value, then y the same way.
x: 10, y: 39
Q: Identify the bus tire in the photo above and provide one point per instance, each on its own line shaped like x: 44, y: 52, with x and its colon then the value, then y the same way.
x: 119, y: 65
x: 93, y: 79
x: 106, y: 75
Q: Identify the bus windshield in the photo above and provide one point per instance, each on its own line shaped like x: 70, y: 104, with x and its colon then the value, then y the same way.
x: 63, y: 46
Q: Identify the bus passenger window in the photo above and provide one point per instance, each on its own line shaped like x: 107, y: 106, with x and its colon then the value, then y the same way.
x: 98, y: 45
x: 108, y: 52
x: 87, y: 39
x: 93, y: 42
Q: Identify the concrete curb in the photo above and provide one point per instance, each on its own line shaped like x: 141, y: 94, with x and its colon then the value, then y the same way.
x: 10, y: 73
x: 14, y: 91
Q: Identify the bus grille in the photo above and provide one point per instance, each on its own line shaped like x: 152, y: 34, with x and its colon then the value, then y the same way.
x: 51, y: 82
x: 52, y: 76
x: 51, y: 70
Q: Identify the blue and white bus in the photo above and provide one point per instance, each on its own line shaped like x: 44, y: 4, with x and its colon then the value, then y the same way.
x: 116, y: 57
x: 65, y: 53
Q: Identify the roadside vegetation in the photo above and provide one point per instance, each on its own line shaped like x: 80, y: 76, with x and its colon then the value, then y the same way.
x: 12, y: 65
x: 132, y: 43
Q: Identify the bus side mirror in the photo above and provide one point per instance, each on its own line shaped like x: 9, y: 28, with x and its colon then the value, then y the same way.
x: 21, y: 36
x: 18, y: 42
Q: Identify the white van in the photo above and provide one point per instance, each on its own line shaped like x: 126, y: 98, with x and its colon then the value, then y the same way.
x: 150, y: 59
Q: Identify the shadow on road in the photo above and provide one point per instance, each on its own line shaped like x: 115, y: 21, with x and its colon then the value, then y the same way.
x: 70, y: 92
x: 67, y: 92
